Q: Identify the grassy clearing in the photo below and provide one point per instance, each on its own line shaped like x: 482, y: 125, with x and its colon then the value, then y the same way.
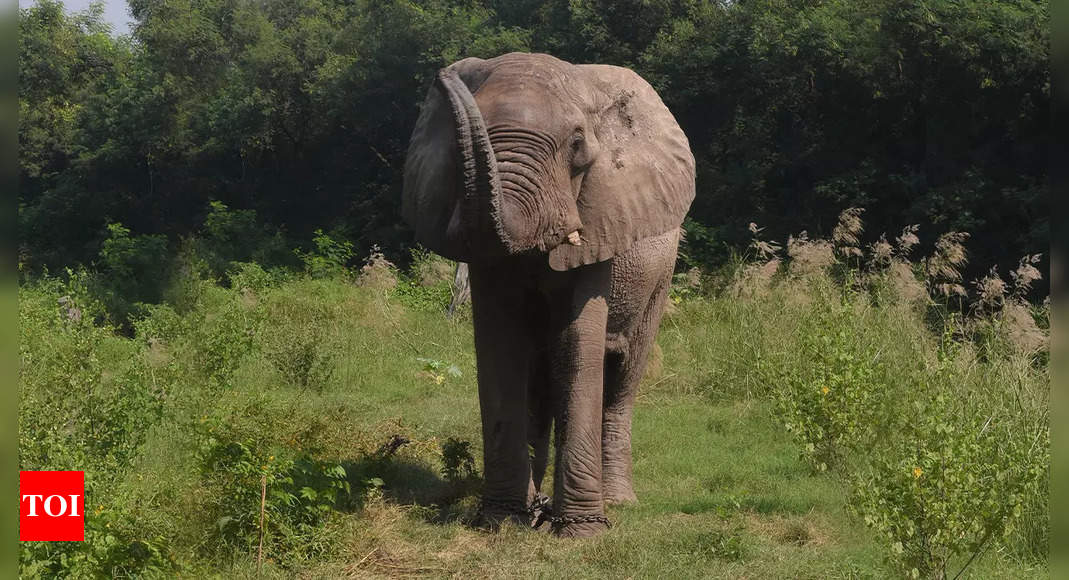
x: 304, y: 381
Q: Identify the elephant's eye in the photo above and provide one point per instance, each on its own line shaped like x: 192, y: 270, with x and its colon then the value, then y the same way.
x: 579, y: 152
x: 577, y: 139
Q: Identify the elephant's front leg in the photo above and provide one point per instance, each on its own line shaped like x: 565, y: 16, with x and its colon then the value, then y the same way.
x: 503, y: 354
x: 578, y: 371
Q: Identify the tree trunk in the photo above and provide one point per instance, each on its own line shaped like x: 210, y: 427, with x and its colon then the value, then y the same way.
x: 461, y: 288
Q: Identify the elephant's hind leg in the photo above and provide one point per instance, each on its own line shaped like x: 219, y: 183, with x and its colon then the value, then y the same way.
x: 625, y: 364
x: 623, y: 373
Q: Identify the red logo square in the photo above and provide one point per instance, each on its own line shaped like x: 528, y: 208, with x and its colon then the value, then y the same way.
x: 52, y: 506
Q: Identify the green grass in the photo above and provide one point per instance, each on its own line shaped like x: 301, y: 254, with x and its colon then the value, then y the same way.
x: 329, y: 369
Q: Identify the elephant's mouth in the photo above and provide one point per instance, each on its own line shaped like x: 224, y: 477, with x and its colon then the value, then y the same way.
x: 569, y: 235
x: 533, y: 218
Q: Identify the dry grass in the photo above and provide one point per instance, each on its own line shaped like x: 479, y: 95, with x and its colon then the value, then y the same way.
x: 905, y: 284
x: 990, y: 291
x: 1025, y: 275
x: 805, y: 530
x: 943, y: 268
x: 1021, y: 329
x: 808, y: 257
x: 754, y: 280
x: 378, y: 273
x: 847, y: 233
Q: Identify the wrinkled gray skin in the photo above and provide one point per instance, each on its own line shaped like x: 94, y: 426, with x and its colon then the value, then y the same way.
x: 564, y: 186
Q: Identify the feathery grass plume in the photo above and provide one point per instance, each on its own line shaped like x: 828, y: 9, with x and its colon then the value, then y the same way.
x: 765, y: 250
x: 1021, y: 328
x: 881, y: 252
x: 694, y: 278
x: 907, y: 240
x: 905, y: 283
x: 808, y: 256
x: 943, y: 267
x: 990, y: 292
x: 1025, y: 275
x: 378, y: 272
x: 755, y: 280
x: 847, y: 233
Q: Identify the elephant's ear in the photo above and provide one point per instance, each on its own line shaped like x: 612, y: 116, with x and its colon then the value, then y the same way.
x: 641, y: 182
x: 440, y: 157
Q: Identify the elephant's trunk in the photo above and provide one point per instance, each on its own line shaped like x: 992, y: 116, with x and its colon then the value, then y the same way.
x: 476, y: 224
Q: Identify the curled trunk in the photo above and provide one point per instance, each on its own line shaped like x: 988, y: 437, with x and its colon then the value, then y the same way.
x: 476, y: 226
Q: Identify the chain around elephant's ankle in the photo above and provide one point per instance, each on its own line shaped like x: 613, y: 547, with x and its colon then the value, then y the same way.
x: 540, y: 510
x: 559, y: 521
x: 502, y: 507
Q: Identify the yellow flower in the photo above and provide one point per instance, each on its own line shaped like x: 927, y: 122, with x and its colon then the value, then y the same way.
x: 271, y: 458
x: 439, y: 379
x: 824, y: 390
x: 917, y: 472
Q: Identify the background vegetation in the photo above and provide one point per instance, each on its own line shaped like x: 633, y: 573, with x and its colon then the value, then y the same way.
x: 224, y: 323
x: 932, y: 113
x: 820, y: 410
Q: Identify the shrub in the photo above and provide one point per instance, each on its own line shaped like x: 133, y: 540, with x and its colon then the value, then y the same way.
x: 112, y: 549
x: 438, y: 371
x: 237, y: 235
x: 427, y: 286
x: 87, y: 399
x: 956, y: 476
x: 951, y: 485
x: 86, y: 396
x: 702, y: 245
x: 293, y: 496
x: 329, y: 257
x: 458, y: 464
x: 833, y: 403
x: 302, y: 355
x: 133, y: 269
x: 251, y: 276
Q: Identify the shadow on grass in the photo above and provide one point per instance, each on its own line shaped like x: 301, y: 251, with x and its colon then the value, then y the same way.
x: 409, y: 482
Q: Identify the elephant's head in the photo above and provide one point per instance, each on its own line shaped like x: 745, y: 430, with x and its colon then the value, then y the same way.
x: 527, y: 153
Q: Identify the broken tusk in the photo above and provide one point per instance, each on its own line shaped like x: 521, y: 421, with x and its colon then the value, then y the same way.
x: 574, y: 239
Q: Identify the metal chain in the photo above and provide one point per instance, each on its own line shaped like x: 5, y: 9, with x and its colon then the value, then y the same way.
x: 540, y: 504
x: 507, y: 507
x: 581, y: 519
x: 539, y: 509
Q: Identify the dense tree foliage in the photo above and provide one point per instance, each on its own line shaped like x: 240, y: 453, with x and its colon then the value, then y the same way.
x: 932, y: 112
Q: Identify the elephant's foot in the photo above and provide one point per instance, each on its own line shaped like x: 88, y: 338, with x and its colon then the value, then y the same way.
x: 619, y: 495
x: 492, y: 521
x: 583, y: 526
x: 617, y: 488
x: 492, y: 514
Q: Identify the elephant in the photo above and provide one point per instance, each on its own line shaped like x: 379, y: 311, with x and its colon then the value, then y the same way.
x: 564, y: 187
